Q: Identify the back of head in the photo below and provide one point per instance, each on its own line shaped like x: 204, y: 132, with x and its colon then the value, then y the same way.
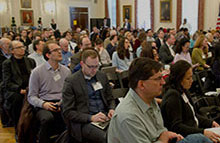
x: 142, y: 69
x: 177, y: 73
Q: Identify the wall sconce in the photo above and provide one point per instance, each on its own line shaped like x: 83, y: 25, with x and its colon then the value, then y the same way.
x: 49, y: 7
x: 3, y: 7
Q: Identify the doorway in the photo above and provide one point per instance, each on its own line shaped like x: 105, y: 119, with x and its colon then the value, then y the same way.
x: 78, y: 17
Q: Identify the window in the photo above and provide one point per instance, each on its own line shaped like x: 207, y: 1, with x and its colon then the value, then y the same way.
x: 190, y: 12
x: 143, y: 14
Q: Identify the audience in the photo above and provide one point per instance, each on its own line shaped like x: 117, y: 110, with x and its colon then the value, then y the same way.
x: 66, y: 55
x: 37, y: 55
x: 89, y: 100
x: 143, y: 121
x: 122, y: 57
x: 15, y: 77
x: 177, y: 107
x: 45, y: 86
x: 199, y: 53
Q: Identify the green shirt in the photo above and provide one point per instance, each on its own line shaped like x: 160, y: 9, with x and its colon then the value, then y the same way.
x: 135, y: 122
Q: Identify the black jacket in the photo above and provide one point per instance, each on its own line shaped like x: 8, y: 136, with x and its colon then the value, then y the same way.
x: 178, y: 116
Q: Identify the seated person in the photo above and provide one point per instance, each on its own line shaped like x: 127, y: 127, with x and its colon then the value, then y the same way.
x: 87, y: 98
x: 137, y: 119
x: 177, y: 107
x: 46, y: 83
x: 66, y: 55
x: 15, y: 74
x: 122, y: 57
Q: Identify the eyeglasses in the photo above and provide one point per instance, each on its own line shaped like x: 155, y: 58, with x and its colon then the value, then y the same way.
x: 20, y: 47
x: 56, y: 50
x: 157, y: 79
x: 92, y: 67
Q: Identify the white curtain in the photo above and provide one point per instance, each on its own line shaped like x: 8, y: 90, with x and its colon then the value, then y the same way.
x: 190, y: 12
x: 112, y: 12
x: 143, y: 14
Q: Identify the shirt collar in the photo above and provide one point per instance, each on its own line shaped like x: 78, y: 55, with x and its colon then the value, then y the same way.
x: 143, y: 106
x: 49, y: 67
x: 6, y: 55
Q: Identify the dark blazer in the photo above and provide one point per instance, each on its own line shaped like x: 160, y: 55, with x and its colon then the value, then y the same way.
x: 165, y: 54
x: 75, y: 103
x: 75, y: 59
x: 2, y: 59
x: 12, y: 80
x: 178, y: 116
x: 158, y: 43
x: 128, y: 27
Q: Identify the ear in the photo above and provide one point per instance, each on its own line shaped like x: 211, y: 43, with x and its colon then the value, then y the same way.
x: 48, y: 55
x: 140, y: 85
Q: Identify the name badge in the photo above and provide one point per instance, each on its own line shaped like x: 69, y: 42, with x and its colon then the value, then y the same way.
x: 57, y: 77
x: 97, y: 86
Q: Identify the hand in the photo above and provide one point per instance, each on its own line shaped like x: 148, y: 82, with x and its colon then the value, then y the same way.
x: 214, y: 124
x: 167, y: 135
x: 50, y: 106
x: 212, y: 136
x: 206, y: 66
x: 110, y: 113
x: 99, y: 117
x: 23, y: 91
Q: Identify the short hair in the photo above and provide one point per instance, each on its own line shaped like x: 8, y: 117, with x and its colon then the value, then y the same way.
x: 36, y: 42
x: 89, y: 52
x: 98, y: 41
x: 142, y: 69
x: 46, y: 48
x: 112, y: 37
x: 177, y: 73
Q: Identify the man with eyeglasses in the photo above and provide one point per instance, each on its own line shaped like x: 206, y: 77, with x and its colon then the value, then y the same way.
x: 87, y: 98
x: 137, y: 119
x: 15, y: 74
x: 45, y: 91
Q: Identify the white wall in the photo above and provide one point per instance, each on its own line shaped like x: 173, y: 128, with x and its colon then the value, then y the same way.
x: 211, y: 14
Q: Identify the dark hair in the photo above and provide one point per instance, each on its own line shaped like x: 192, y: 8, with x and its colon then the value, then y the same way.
x: 46, y: 48
x: 65, y: 33
x: 180, y: 44
x: 112, y: 37
x: 177, y: 73
x: 142, y: 69
x: 36, y: 42
x: 122, y: 52
x: 148, y: 30
x: 98, y: 41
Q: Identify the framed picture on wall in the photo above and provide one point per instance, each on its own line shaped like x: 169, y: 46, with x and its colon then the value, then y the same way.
x: 25, y: 3
x: 27, y: 17
x: 127, y: 12
x: 165, y: 10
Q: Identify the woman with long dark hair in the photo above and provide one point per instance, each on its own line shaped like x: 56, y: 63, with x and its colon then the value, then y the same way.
x: 122, y: 57
x: 177, y: 107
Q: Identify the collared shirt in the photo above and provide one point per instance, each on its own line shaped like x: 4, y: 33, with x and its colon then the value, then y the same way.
x: 46, y: 84
x: 171, y: 49
x: 39, y: 59
x: 141, y: 123
x: 6, y: 55
x: 183, y: 56
x: 66, y: 58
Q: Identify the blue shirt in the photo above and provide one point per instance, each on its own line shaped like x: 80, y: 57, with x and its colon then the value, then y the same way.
x: 6, y: 55
x: 46, y: 84
x: 121, y: 64
x: 66, y: 58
